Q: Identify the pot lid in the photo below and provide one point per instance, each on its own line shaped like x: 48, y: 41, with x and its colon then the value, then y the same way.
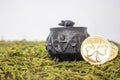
x: 68, y: 24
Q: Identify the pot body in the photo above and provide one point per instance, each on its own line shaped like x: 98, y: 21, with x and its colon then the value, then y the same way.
x: 64, y: 42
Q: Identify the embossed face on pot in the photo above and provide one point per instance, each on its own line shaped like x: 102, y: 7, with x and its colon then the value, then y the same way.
x: 62, y: 40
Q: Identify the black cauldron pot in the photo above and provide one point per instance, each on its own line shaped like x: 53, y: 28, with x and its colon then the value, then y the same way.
x: 63, y: 43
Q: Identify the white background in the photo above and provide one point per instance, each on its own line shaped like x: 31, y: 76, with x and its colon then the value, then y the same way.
x: 31, y: 19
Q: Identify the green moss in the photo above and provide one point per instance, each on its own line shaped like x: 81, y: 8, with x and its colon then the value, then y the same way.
x: 21, y: 60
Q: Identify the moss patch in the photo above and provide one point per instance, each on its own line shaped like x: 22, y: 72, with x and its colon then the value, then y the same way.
x: 21, y: 60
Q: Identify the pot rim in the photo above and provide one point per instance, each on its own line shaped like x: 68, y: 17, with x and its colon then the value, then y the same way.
x: 76, y: 27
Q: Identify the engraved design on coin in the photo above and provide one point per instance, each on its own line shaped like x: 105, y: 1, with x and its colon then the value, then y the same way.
x: 95, y: 50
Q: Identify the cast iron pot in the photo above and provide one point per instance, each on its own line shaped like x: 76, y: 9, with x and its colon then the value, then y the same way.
x: 63, y: 43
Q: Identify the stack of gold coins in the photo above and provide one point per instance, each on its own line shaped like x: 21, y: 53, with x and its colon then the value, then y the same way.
x: 98, y: 50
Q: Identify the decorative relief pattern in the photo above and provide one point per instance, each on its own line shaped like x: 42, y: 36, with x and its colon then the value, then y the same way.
x: 95, y: 50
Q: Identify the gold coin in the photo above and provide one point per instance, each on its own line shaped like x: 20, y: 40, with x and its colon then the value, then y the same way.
x: 114, y: 51
x: 95, y: 50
